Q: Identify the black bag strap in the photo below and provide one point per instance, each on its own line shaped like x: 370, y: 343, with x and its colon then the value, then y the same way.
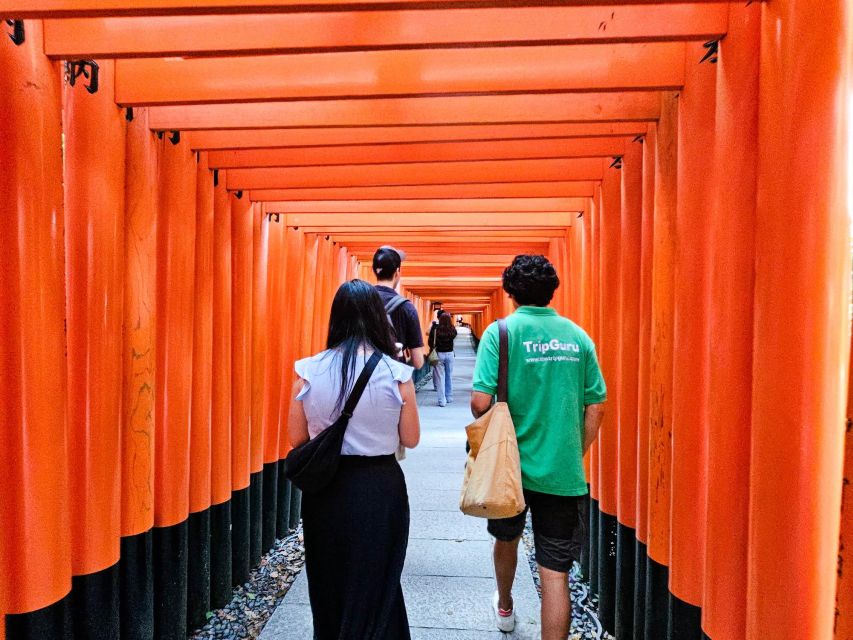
x: 394, y: 303
x: 361, y: 384
x: 503, y: 361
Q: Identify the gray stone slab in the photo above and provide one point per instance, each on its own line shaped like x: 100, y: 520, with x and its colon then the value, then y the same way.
x: 443, y: 481
x: 451, y: 558
x: 450, y: 526
x: 434, y: 499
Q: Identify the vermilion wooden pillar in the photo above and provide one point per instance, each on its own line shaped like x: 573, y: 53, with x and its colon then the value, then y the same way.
x: 844, y: 590
x: 94, y: 234
x: 660, y: 374
x: 593, y: 329
x: 241, y: 382
x: 608, y: 351
x: 643, y: 376
x: 691, y: 355
x: 802, y: 284
x: 730, y: 388
x: 176, y: 228
x: 34, y: 518
x: 260, y: 331
x: 220, y: 438
x: 198, y: 575
x: 139, y: 360
x: 629, y: 353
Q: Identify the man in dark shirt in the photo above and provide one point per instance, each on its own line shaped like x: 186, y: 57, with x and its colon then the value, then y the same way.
x: 404, y: 317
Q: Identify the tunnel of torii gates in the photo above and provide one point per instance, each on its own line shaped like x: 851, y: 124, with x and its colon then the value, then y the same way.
x: 185, y: 183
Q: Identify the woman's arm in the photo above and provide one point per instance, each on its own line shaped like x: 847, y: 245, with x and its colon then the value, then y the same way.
x: 297, y: 423
x: 431, y: 339
x: 410, y: 423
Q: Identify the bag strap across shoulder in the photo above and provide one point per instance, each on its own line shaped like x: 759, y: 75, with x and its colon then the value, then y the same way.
x: 361, y: 384
x: 503, y: 361
x: 394, y: 303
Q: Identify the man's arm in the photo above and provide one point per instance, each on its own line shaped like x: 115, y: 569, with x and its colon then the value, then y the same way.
x: 592, y: 417
x: 480, y: 403
x: 417, y: 357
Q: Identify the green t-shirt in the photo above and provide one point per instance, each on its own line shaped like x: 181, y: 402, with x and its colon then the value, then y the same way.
x: 553, y: 375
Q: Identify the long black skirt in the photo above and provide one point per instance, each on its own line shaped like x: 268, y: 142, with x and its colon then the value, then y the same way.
x: 356, y: 535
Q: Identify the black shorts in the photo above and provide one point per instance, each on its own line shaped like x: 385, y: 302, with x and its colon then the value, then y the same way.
x: 558, y: 528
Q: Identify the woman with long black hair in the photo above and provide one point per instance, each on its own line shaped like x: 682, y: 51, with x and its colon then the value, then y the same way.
x: 442, y: 373
x: 356, y: 529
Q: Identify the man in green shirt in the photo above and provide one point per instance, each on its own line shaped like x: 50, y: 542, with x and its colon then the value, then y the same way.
x: 555, y: 395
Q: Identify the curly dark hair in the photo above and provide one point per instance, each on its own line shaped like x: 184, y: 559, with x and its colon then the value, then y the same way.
x: 531, y: 280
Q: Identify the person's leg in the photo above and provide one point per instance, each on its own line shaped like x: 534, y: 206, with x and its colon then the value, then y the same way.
x: 448, y: 375
x: 439, y: 368
x: 506, y: 559
x: 556, y: 604
x: 435, y: 368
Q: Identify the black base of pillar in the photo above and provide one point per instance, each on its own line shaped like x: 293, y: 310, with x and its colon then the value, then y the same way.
x: 240, y: 537
x: 256, y: 496
x: 685, y: 620
x: 607, y: 526
x: 657, y: 600
x: 626, y: 549
x: 593, y: 546
x: 295, y: 506
x: 95, y: 604
x: 270, y: 508
x: 136, y: 577
x: 53, y: 621
x: 282, y: 519
x: 198, y: 569
x: 585, y: 544
x: 640, y: 560
x: 170, y: 582
x: 220, y: 555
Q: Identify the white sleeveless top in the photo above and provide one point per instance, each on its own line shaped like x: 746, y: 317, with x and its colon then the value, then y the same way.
x: 374, y: 427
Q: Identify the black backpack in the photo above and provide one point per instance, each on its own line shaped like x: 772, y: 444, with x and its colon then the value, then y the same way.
x: 390, y: 307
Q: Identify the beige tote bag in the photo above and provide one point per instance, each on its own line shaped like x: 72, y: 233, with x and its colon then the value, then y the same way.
x: 492, y: 485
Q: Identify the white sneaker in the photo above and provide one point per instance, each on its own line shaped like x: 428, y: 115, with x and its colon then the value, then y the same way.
x: 504, y: 620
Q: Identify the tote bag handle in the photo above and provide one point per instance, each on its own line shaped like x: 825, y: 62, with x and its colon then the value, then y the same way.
x: 503, y: 361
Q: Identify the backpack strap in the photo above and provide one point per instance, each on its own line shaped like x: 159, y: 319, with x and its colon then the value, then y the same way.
x: 503, y: 361
x: 394, y: 303
x: 361, y: 384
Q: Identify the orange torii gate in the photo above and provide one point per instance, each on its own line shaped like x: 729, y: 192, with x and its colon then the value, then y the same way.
x: 177, y: 233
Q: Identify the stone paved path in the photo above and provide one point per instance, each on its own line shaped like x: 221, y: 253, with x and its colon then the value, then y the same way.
x: 448, y: 579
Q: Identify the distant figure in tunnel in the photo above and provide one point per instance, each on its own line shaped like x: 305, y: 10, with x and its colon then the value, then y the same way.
x: 441, y: 340
x: 555, y: 395
x: 356, y: 529
x: 387, y: 264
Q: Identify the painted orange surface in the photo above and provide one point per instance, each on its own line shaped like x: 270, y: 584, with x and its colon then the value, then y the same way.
x: 645, y: 333
x: 844, y: 590
x: 692, y: 340
x: 241, y: 339
x: 610, y: 215
x: 629, y: 336
x: 559, y: 189
x: 660, y: 374
x: 94, y: 239
x: 222, y: 371
x: 33, y: 440
x: 276, y: 332
x: 795, y: 481
x: 554, y: 107
x: 593, y: 327
x: 309, y: 136
x: 140, y: 328
x: 260, y: 329
x: 293, y: 281
x: 202, y: 355
x: 732, y: 226
x: 176, y: 227
x: 415, y: 173
x: 447, y: 205
x: 420, y: 152
x: 261, y: 33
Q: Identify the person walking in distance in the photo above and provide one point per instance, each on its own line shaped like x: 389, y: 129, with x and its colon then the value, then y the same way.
x: 356, y: 529
x: 387, y: 262
x: 555, y: 395
x: 441, y: 339
x: 431, y: 339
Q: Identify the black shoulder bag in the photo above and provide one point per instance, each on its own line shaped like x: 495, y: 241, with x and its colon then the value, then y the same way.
x: 312, y: 465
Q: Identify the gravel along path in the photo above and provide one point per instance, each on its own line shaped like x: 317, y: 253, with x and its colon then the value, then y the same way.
x: 254, y: 602
x: 585, y: 623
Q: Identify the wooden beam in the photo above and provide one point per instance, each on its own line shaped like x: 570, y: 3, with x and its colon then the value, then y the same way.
x: 412, y: 73
x: 468, y: 220
x: 416, y: 173
x: 556, y: 107
x: 429, y: 206
x: 106, y: 8
x: 316, y: 136
x: 220, y: 35
x: 561, y: 189
x: 418, y: 152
